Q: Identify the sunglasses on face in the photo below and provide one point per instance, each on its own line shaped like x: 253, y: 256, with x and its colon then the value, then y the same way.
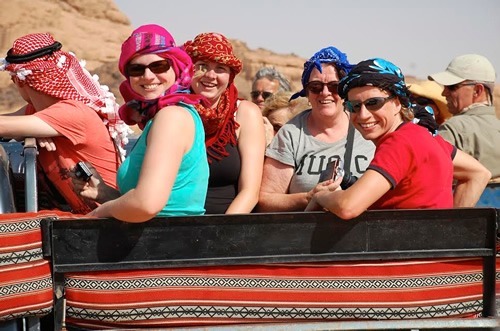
x: 265, y: 95
x: 459, y: 85
x: 157, y: 67
x: 371, y: 104
x: 317, y: 87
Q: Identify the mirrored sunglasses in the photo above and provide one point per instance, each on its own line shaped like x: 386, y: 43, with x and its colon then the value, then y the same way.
x: 317, y: 87
x: 265, y: 94
x: 157, y: 67
x: 372, y: 104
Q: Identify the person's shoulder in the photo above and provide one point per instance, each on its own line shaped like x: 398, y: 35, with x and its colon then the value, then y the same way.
x: 299, y: 118
x: 456, y: 123
x: 248, y: 111
x: 406, y: 134
x: 173, y: 111
x: 74, y: 104
x: 248, y: 107
x: 67, y: 109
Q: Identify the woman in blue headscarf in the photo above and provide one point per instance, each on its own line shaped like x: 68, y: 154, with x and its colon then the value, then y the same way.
x: 304, y: 146
x: 411, y: 167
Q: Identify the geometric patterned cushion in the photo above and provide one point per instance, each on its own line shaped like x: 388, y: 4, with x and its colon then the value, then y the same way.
x: 218, y: 295
x: 25, y: 277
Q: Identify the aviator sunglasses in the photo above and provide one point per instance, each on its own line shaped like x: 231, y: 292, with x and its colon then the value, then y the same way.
x: 265, y: 94
x: 157, y: 67
x: 371, y: 104
x: 317, y: 87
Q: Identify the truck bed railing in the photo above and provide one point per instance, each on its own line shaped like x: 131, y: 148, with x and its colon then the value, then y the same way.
x: 97, y: 245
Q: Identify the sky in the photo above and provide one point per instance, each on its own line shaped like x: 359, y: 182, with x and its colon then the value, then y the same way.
x: 419, y: 36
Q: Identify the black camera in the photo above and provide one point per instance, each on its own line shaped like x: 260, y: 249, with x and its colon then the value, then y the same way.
x: 347, y: 181
x: 334, y: 170
x: 82, y: 171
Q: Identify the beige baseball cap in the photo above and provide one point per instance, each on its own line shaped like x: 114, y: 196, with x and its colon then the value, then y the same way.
x: 466, y: 67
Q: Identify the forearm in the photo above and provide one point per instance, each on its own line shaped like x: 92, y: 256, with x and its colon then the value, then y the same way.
x: 127, y: 208
x: 278, y: 202
x: 107, y: 193
x: 243, y: 203
x: 467, y: 193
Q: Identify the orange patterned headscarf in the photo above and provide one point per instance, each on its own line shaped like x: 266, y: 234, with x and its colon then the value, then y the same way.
x: 219, y: 123
x: 214, y: 47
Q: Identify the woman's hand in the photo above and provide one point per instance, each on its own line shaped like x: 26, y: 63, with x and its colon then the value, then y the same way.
x: 321, y: 188
x: 87, y: 189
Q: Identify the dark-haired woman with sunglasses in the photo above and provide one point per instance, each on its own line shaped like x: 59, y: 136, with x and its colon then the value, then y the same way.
x: 166, y: 172
x: 303, y: 147
x: 411, y: 168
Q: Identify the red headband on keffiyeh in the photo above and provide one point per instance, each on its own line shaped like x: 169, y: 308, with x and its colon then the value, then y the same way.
x: 38, y: 61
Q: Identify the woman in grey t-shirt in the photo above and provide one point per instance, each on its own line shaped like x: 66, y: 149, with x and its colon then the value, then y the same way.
x: 303, y: 147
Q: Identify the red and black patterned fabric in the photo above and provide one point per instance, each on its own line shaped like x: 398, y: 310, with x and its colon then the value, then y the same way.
x: 276, y: 293
x: 25, y: 277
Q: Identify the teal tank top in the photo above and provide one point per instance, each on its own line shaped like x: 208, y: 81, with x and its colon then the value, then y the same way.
x: 190, y: 187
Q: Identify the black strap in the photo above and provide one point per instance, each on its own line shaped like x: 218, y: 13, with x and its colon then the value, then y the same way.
x: 348, y: 149
x: 21, y: 58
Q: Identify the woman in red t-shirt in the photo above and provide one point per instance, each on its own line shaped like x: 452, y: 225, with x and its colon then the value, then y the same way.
x: 412, y: 167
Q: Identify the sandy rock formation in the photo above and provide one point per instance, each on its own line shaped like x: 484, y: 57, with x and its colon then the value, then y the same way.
x: 94, y: 31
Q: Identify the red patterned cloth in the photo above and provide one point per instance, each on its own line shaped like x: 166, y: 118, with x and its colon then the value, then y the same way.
x: 220, y: 125
x: 285, y: 293
x: 25, y: 276
x: 213, y: 47
x: 60, y: 75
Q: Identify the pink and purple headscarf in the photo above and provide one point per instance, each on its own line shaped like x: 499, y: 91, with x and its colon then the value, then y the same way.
x: 154, y: 39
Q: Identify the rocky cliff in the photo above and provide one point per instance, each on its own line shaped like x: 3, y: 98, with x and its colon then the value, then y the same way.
x: 94, y: 30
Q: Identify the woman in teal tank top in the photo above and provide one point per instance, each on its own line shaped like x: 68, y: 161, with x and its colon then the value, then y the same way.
x: 189, y: 190
x: 166, y: 173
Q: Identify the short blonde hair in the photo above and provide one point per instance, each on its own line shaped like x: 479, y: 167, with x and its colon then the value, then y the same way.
x: 280, y: 100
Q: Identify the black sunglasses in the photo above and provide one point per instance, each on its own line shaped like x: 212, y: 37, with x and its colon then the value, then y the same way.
x: 371, y: 104
x: 317, y: 87
x: 157, y: 67
x: 459, y: 85
x: 265, y: 94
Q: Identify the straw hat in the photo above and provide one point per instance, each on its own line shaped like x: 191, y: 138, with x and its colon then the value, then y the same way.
x: 432, y: 90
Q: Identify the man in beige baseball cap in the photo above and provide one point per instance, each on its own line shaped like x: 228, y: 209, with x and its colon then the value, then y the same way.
x: 468, y: 83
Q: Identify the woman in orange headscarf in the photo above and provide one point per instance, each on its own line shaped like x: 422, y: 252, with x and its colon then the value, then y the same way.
x: 234, y: 129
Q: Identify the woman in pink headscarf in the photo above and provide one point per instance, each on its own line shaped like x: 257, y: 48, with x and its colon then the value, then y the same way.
x: 235, y: 136
x: 166, y: 173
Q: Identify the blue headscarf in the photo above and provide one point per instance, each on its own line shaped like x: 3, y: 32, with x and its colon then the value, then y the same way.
x: 386, y: 76
x: 376, y: 72
x: 328, y: 54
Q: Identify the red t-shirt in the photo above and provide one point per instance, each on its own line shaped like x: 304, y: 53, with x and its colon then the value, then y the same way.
x: 418, y: 166
x: 84, y: 137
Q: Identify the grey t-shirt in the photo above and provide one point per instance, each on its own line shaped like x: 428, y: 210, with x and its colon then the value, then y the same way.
x: 293, y: 145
